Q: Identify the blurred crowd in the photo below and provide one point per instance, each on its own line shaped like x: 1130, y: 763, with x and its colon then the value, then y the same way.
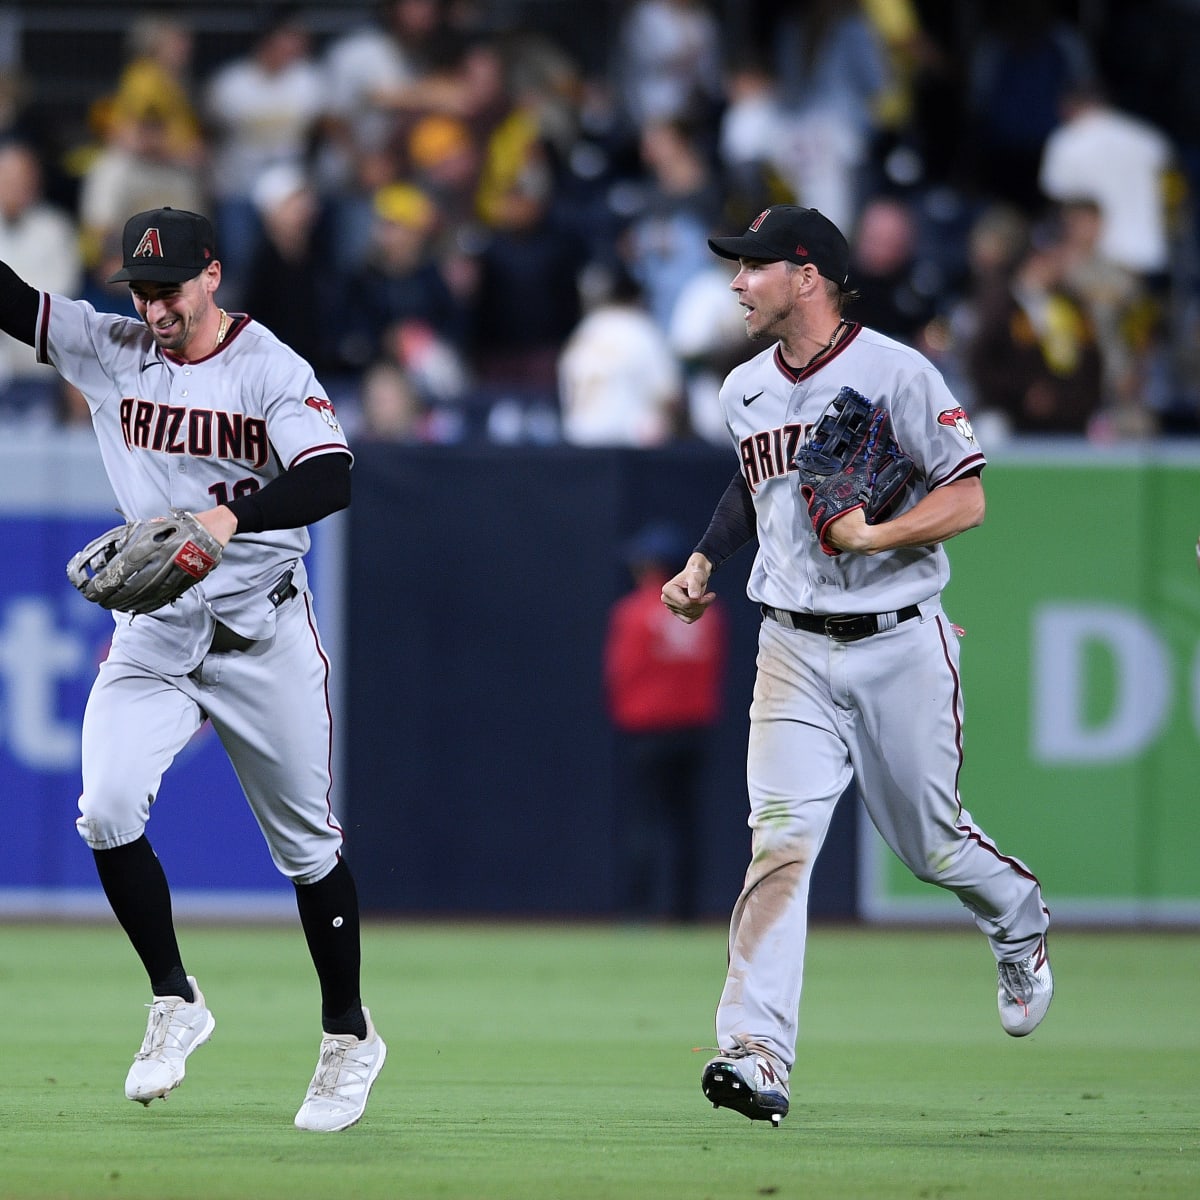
x: 474, y: 236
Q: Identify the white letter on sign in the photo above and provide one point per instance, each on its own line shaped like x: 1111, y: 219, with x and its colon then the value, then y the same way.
x: 1142, y: 684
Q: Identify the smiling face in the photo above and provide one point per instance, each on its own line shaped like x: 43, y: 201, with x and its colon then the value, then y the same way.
x: 181, y: 316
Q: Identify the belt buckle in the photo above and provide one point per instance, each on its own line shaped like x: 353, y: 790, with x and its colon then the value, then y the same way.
x: 847, y: 628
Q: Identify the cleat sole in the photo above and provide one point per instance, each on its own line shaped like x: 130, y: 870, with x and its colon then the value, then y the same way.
x: 724, y: 1089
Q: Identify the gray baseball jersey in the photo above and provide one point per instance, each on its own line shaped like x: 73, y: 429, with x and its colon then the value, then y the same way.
x: 885, y: 710
x: 193, y: 435
x: 768, y: 409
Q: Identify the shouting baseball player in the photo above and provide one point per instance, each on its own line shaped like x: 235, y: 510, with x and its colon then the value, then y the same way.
x: 199, y: 411
x: 858, y: 666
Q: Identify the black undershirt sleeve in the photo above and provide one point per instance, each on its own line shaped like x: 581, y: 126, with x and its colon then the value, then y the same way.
x: 18, y: 306
x: 301, y: 496
x: 733, y: 523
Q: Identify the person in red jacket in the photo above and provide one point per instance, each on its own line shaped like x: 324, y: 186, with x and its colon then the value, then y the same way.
x: 663, y: 682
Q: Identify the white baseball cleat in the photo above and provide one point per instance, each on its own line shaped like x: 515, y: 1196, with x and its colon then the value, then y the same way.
x: 346, y: 1069
x: 174, y: 1030
x: 1025, y: 989
x: 748, y: 1082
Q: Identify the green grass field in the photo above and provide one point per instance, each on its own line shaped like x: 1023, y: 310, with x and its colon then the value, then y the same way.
x: 537, y: 1062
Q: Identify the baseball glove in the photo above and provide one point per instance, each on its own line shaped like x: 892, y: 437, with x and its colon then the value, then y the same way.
x: 143, y: 565
x: 850, y: 459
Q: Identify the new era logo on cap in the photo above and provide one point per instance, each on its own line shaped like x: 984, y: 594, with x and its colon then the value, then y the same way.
x: 165, y: 245
x: 788, y: 232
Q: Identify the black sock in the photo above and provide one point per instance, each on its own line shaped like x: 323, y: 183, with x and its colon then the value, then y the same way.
x: 136, y: 887
x: 329, y: 915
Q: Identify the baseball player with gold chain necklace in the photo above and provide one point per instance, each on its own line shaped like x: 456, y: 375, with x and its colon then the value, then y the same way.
x: 858, y: 665
x: 199, y: 411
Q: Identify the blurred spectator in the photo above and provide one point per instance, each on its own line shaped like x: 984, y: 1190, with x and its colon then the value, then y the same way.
x: 445, y: 161
x: 665, y: 244
x: 545, y: 80
x: 526, y: 300
x: 619, y: 383
x: 598, y: 167
x: 135, y: 171
x: 392, y: 409
x: 669, y: 61
x: 898, y: 290
x: 507, y: 130
x: 1020, y: 69
x: 1152, y: 47
x: 485, y: 92
x: 1123, y: 313
x: 663, y: 681
x: 17, y: 122
x: 374, y: 73
x: 287, y: 281
x: 1121, y: 162
x: 157, y: 74
x: 831, y: 69
x: 41, y: 245
x: 906, y: 152
x: 262, y: 108
x: 1034, y: 358
x: 995, y: 244
x: 909, y: 49
x: 398, y: 280
x: 747, y: 137
x: 432, y: 363
x: 707, y: 334
x: 378, y: 85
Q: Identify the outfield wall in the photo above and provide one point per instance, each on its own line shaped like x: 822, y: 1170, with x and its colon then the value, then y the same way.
x: 463, y: 599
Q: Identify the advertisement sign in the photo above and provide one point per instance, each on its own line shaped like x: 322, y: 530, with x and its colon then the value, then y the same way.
x: 1080, y: 600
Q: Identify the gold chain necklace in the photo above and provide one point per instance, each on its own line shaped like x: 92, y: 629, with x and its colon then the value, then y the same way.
x: 223, y: 328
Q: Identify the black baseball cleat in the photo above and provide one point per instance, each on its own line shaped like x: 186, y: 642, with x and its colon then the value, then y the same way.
x: 747, y: 1082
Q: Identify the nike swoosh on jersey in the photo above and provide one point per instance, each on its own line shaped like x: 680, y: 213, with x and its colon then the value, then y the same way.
x: 749, y: 400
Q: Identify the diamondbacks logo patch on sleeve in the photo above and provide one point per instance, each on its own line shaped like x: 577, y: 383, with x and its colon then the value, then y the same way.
x: 324, y: 409
x: 956, y: 418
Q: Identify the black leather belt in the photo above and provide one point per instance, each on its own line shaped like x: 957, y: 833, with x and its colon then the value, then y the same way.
x: 850, y: 627
x: 225, y: 639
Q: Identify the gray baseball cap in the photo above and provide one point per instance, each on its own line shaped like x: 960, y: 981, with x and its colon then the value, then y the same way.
x: 166, y: 245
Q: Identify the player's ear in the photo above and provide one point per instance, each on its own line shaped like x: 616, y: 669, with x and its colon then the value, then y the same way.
x: 211, y: 276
